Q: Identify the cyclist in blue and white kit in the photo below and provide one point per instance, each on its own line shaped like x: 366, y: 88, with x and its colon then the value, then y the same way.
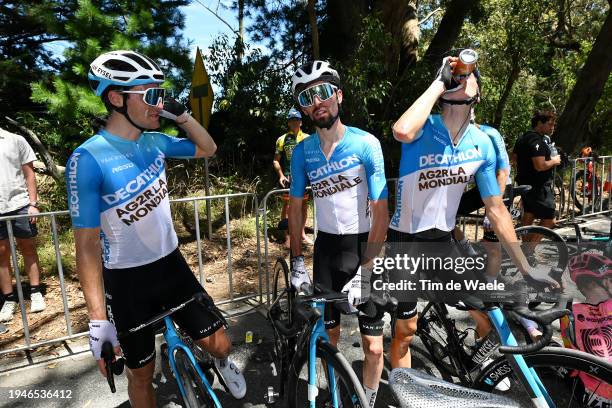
x: 126, y: 247
x: 440, y: 154
x: 345, y: 168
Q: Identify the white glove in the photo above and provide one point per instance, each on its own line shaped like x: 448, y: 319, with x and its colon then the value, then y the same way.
x: 358, y: 288
x: 486, y: 223
x: 300, y: 279
x: 101, y: 331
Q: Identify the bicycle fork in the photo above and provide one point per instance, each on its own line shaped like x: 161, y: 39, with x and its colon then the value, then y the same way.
x: 527, y: 375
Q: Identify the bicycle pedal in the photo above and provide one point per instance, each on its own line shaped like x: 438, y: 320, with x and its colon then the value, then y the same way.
x: 208, y: 372
x: 271, y: 396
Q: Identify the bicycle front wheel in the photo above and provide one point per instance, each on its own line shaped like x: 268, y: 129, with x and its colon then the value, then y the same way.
x: 557, y: 368
x: 349, y: 392
x: 194, y: 390
x: 543, y: 246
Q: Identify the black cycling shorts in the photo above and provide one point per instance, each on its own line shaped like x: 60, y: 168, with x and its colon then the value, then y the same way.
x: 335, y: 261
x: 134, y: 295
x: 540, y: 201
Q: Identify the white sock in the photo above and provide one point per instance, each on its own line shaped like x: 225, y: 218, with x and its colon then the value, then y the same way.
x: 370, y: 395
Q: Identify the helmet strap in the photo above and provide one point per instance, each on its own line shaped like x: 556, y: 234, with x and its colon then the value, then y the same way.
x: 123, y: 110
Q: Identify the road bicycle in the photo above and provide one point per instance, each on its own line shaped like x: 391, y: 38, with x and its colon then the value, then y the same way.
x: 586, y: 186
x: 546, y: 374
x: 190, y: 365
x: 315, y: 372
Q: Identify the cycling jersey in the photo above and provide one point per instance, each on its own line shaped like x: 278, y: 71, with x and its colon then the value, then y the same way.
x: 341, y: 185
x: 592, y: 334
x: 433, y: 175
x: 503, y: 162
x: 120, y: 186
x: 284, y: 147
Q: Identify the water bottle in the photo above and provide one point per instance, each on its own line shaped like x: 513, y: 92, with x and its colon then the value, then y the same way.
x: 553, y: 150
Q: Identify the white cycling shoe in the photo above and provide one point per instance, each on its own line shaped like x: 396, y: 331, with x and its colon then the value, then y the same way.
x: 231, y: 377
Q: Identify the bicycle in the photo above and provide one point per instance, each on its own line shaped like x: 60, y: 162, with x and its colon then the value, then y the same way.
x: 302, y: 351
x: 586, y: 187
x: 536, y: 368
x: 190, y: 365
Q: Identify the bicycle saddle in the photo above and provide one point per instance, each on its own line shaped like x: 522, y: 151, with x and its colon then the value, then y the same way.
x: 415, y: 389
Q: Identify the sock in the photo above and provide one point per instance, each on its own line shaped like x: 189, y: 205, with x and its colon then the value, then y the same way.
x: 34, y: 288
x: 10, y: 297
x: 370, y: 395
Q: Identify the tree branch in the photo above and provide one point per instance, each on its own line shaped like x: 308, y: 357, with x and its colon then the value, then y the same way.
x: 430, y: 15
x: 214, y: 13
x: 33, y: 139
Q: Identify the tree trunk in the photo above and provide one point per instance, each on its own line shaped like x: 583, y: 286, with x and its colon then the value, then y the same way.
x: 501, y: 104
x: 34, y: 141
x: 341, y: 31
x: 449, y: 29
x: 401, y: 21
x: 240, y: 53
x: 312, y: 17
x: 587, y: 91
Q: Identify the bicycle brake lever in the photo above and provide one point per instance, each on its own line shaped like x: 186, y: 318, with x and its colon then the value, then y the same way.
x: 107, y: 355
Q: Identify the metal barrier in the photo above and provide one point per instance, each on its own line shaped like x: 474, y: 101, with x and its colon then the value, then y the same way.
x: 589, y: 191
x: 68, y: 321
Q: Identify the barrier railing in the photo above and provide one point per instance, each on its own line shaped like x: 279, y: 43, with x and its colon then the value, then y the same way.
x: 29, y: 344
x: 590, y: 186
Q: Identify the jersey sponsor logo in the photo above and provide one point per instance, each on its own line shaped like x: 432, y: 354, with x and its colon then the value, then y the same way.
x: 133, y: 186
x: 122, y: 167
x: 439, y: 140
x: 333, y: 166
x: 442, y: 177
x: 333, y: 185
x: 143, y: 204
x: 73, y: 200
x: 398, y: 204
x: 431, y: 159
x: 116, y: 157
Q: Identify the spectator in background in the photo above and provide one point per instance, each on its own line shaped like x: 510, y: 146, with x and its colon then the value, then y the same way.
x: 282, y: 166
x: 532, y: 154
x: 18, y: 196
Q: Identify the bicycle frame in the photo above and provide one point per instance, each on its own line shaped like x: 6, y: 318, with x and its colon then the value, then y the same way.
x: 527, y: 375
x: 174, y: 342
x: 317, y: 334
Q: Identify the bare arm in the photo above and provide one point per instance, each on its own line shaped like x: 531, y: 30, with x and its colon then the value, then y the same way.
x: 295, y: 225
x: 541, y: 164
x: 89, y: 269
x: 378, y: 231
x: 502, y: 178
x: 30, y: 179
x: 279, y: 170
x: 205, y: 145
x: 502, y: 225
x: 410, y: 123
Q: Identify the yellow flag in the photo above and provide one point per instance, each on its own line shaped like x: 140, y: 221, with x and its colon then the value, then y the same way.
x: 201, y: 96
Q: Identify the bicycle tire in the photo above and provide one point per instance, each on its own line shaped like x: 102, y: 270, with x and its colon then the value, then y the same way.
x: 195, y: 395
x: 554, y: 366
x: 559, y: 192
x: 349, y: 388
x: 591, y: 200
x: 433, y: 333
x: 555, y: 254
x: 283, y: 347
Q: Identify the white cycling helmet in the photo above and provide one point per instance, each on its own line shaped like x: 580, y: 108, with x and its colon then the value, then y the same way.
x: 311, y: 72
x: 123, y: 68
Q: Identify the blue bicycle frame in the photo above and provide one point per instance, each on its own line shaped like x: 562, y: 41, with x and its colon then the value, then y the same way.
x: 174, y: 342
x: 319, y: 333
x: 529, y: 378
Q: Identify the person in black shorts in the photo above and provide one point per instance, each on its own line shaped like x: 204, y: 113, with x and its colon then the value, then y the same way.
x: 534, y: 167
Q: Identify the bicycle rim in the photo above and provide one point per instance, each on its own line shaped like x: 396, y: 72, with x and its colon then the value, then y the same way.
x: 557, y: 369
x: 349, y: 391
x: 196, y: 395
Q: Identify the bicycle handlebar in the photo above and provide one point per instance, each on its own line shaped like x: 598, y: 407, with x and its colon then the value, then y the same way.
x: 544, y: 318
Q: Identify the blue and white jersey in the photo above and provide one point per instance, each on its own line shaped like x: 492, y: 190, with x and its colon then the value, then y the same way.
x: 120, y: 186
x: 342, y: 185
x: 503, y: 162
x: 433, y: 175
